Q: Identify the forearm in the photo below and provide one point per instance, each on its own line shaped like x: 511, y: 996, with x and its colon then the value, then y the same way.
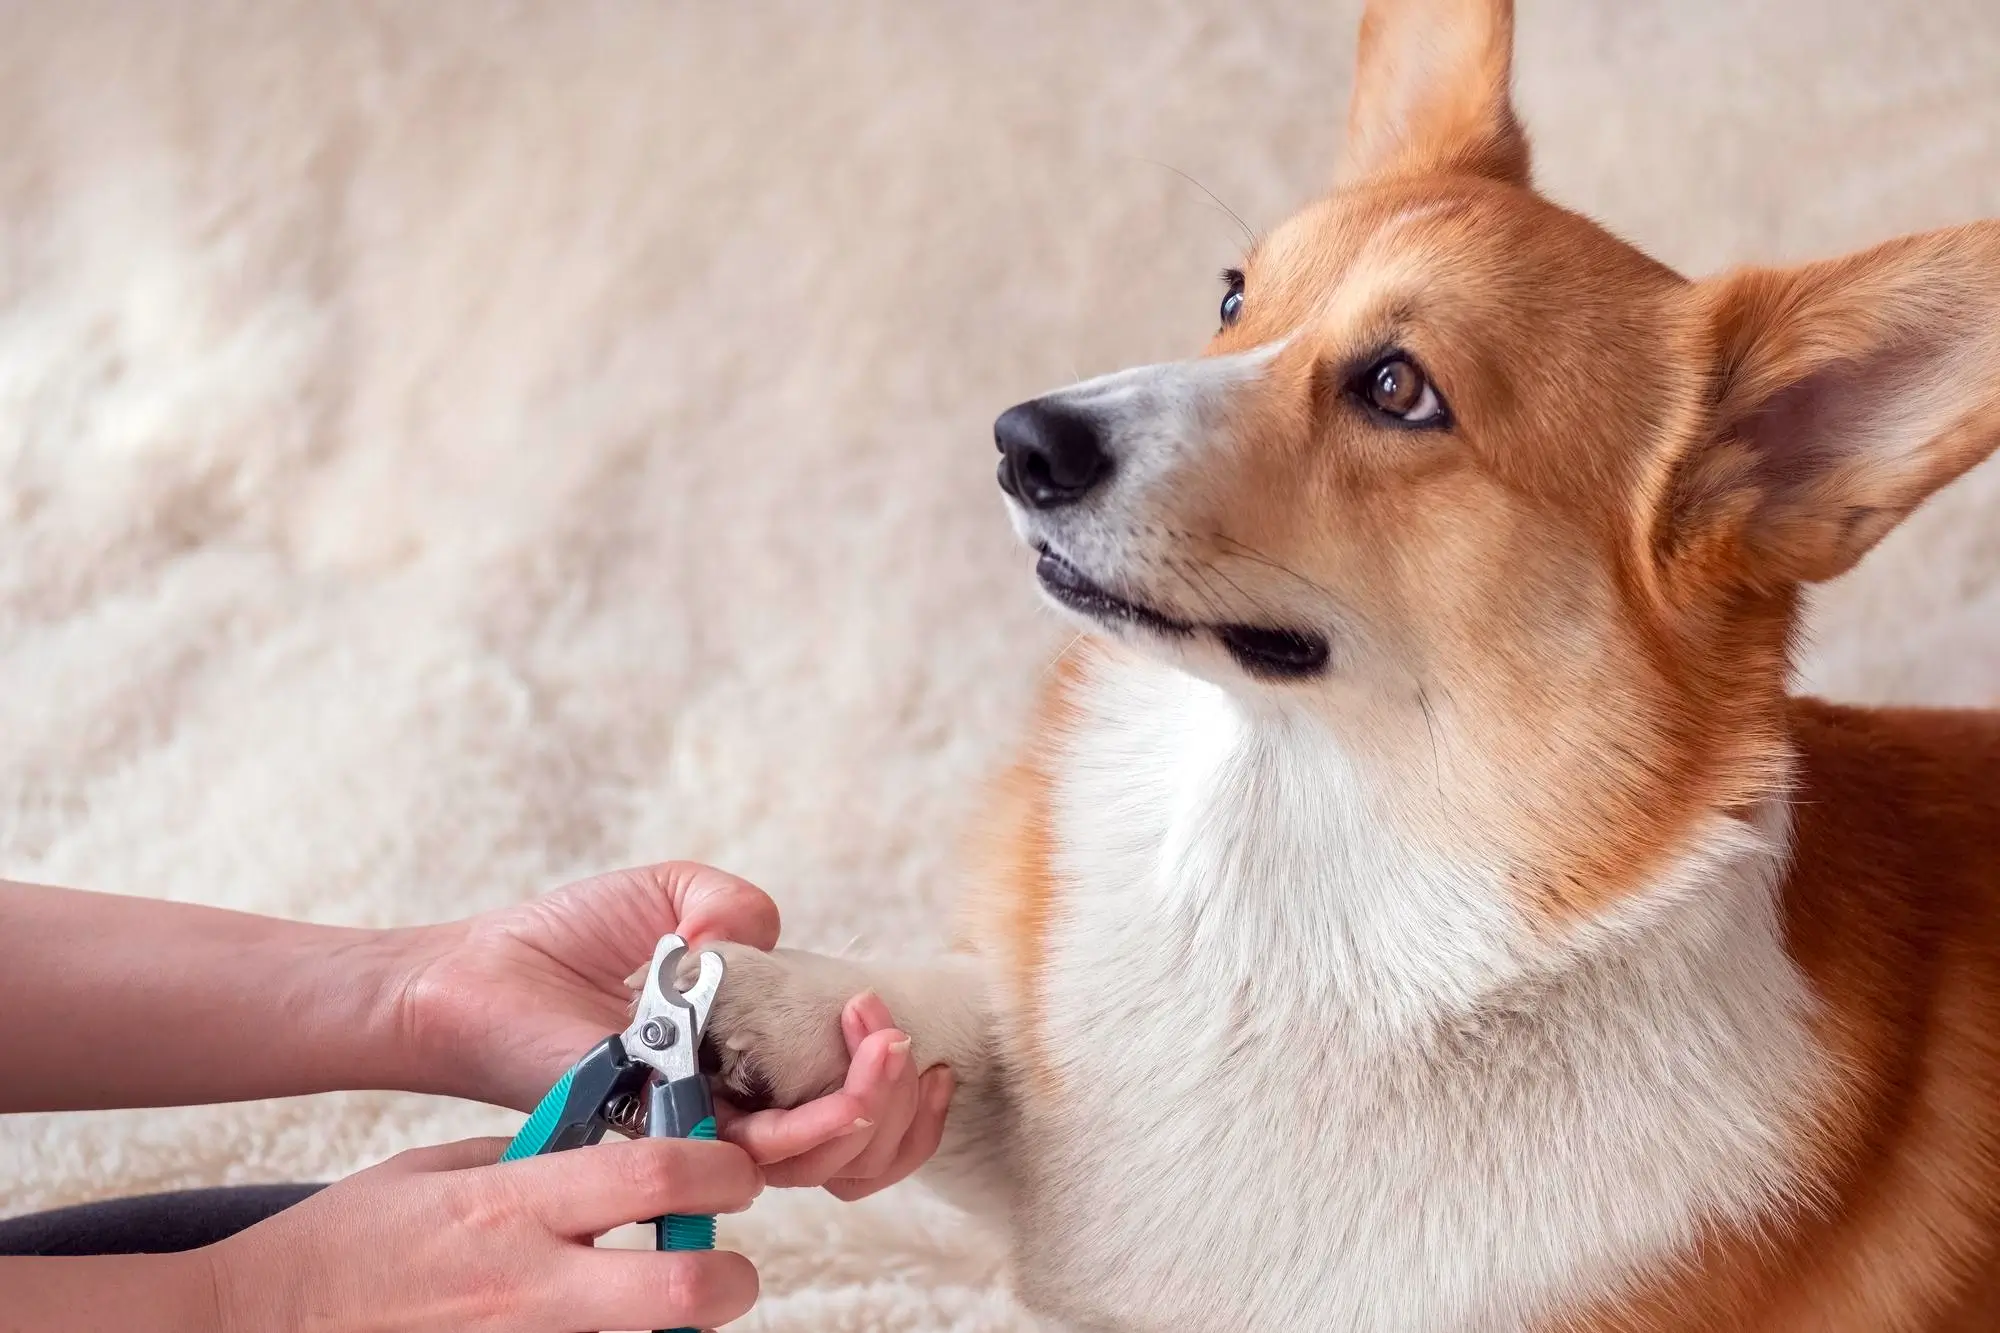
x: 171, y: 1293
x: 113, y: 1001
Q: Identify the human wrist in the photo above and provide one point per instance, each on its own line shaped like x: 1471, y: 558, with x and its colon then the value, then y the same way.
x: 200, y: 1280
x: 341, y: 1003
x: 248, y: 1292
x: 398, y: 1006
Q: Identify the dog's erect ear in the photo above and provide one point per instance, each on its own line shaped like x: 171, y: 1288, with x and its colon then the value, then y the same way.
x: 1845, y: 392
x: 1432, y: 92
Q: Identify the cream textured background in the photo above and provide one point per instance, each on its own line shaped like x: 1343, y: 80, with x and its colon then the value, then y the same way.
x: 446, y: 449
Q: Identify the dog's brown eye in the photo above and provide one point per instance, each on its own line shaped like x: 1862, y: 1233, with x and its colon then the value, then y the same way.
x: 1396, y: 387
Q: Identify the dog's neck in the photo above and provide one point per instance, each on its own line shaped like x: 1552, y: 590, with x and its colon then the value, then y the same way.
x: 1267, y: 837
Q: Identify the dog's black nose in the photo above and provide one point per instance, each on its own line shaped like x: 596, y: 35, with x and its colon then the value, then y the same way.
x: 1049, y: 457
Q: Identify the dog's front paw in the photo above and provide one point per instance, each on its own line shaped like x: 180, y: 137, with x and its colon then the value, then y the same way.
x: 773, y: 1036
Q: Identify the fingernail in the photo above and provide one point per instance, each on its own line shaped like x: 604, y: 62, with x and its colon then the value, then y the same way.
x: 862, y: 1124
x: 892, y: 1060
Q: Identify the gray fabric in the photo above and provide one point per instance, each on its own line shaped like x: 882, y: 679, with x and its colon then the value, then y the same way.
x: 148, y: 1223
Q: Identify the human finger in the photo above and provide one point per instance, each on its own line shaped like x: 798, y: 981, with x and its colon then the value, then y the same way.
x: 647, y: 1289
x: 458, y: 1156
x: 919, y: 1144
x: 774, y: 1137
x: 591, y: 1190
x: 861, y: 1015
x: 712, y: 904
x: 866, y: 1087
x: 884, y: 1077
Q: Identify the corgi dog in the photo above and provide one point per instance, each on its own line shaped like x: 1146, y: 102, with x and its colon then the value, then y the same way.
x: 1420, y: 906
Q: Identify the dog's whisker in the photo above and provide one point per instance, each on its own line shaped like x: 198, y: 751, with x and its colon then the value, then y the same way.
x: 1055, y: 663
x: 1249, y: 235
x: 1252, y: 553
x: 1254, y: 599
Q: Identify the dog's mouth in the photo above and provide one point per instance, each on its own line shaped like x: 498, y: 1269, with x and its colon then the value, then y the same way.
x: 1070, y: 586
x: 1262, y: 651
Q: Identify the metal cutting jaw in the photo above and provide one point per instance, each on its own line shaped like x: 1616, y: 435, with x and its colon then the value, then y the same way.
x: 666, y: 1028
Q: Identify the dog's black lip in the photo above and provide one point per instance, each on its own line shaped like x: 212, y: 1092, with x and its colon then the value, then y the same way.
x: 1276, y: 654
x: 1075, y: 590
x: 1261, y: 651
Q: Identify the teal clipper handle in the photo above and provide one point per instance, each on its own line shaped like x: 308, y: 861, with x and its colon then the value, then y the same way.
x: 542, y: 1123
x: 571, y: 1113
x: 656, y: 1062
x: 681, y: 1109
x: 685, y: 1232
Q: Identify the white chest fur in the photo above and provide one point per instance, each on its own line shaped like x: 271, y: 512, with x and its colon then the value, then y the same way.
x: 1315, y: 1077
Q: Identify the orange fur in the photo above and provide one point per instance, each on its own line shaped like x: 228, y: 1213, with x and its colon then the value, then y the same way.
x: 1011, y: 856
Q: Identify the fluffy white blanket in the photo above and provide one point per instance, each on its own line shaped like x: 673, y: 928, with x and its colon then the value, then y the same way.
x: 446, y: 449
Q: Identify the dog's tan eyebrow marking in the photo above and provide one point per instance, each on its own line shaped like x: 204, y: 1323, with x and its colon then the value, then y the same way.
x: 1401, y: 222
x: 1371, y: 296
x: 1417, y: 213
x: 1387, y: 321
x: 1379, y: 290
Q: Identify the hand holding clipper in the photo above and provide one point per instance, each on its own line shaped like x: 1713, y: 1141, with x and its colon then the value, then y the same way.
x: 649, y: 1075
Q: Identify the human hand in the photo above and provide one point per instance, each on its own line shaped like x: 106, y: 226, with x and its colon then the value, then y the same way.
x: 509, y: 999
x: 500, y: 1005
x: 444, y: 1239
x: 898, y: 1128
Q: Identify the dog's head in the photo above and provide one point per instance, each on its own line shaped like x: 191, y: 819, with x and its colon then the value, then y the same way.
x: 1461, y: 469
